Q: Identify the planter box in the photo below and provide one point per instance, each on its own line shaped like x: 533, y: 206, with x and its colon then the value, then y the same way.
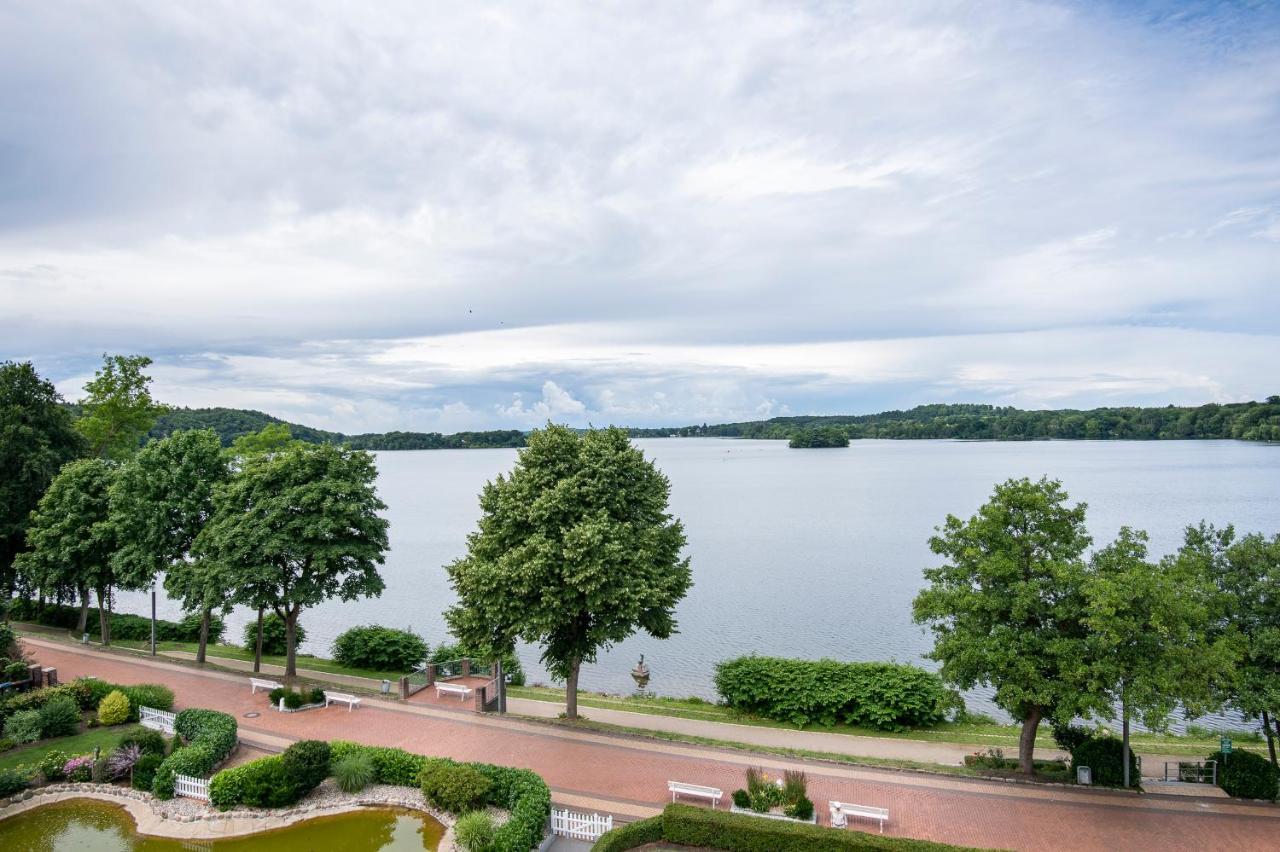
x: 281, y: 709
x: 774, y: 814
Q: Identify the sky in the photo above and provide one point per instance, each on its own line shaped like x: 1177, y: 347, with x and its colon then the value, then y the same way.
x: 438, y: 217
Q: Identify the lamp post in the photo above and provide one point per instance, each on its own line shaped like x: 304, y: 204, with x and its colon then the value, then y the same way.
x: 153, y: 617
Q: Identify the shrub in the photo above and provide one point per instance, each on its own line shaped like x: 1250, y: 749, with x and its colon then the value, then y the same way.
x: 380, y: 648
x: 886, y: 696
x: 52, y: 765
x: 13, y: 781
x: 276, y: 694
x: 152, y: 695
x: 474, y: 831
x: 6, y: 744
x: 315, y: 696
x: 455, y: 787
x: 60, y: 717
x: 1105, y: 758
x: 353, y: 773
x: 307, y: 762
x: 1247, y: 775
x: 23, y: 726
x: 630, y: 836
x: 801, y: 809
x: 17, y: 671
x: 292, y: 700
x: 262, y: 783
x: 148, y: 741
x: 1068, y: 737
x: 144, y: 771
x: 79, y: 768
x: 742, y: 798
x: 114, y: 709
x: 210, y: 737
x: 121, y: 761
x: 273, y: 635
x: 123, y: 625
x: 8, y: 640
x: 101, y: 771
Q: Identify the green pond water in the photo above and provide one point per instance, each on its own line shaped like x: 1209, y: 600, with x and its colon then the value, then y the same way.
x: 89, y: 826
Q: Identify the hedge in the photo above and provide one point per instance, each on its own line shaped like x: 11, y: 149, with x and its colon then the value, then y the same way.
x: 261, y: 783
x: 886, y: 696
x: 693, y: 826
x: 209, y: 736
x: 380, y: 648
x: 123, y: 625
x: 275, y: 640
x: 87, y: 693
x: 1105, y: 758
x: 1247, y: 775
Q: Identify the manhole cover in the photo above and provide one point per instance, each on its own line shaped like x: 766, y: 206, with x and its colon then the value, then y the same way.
x: 252, y: 714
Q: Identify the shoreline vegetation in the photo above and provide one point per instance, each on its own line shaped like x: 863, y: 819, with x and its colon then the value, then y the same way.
x: 1245, y: 421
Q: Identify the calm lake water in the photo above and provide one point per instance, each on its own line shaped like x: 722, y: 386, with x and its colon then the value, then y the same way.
x: 805, y: 553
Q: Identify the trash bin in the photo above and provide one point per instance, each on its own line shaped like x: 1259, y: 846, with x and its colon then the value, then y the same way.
x: 1084, y: 775
x: 386, y: 687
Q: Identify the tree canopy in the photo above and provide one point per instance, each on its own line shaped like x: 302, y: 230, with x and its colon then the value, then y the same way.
x: 36, y: 440
x: 296, y: 527
x: 575, y: 550
x: 118, y: 410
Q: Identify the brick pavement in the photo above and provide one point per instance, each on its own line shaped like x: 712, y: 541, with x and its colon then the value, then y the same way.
x: 634, y: 772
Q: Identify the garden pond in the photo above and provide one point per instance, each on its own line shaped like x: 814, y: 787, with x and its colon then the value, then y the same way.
x: 90, y: 826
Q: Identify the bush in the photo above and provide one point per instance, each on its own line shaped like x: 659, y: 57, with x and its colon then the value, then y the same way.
x: 122, y: 760
x: 307, y: 762
x: 474, y: 831
x: 144, y: 771
x: 801, y: 809
x: 60, y: 717
x: 742, y: 798
x: 886, y: 696
x: 262, y: 783
x: 292, y: 700
x: 34, y: 699
x: 6, y: 744
x: 13, y: 781
x: 210, y: 737
x: 114, y: 709
x: 79, y: 769
x: 454, y: 787
x: 353, y: 773
x: 23, y: 726
x: 1105, y: 758
x: 631, y: 835
x: 17, y: 671
x: 273, y: 635
x: 379, y: 648
x: 51, y: 765
x: 1247, y: 775
x: 148, y: 741
x: 151, y: 695
x: 8, y: 641
x: 124, y: 626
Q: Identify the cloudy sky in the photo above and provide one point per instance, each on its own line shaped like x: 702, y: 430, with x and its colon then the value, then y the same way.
x: 475, y: 215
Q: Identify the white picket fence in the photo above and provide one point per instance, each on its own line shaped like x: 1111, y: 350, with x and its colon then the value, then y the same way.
x: 191, y: 788
x: 156, y: 720
x: 578, y: 826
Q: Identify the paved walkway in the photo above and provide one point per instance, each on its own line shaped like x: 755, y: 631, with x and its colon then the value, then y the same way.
x: 628, y: 776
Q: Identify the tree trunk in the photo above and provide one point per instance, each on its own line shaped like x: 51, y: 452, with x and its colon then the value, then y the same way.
x: 83, y: 623
x: 1271, y: 742
x: 257, y: 650
x: 1124, y: 711
x: 571, y: 689
x: 290, y: 637
x: 104, y: 616
x: 1027, y: 742
x: 204, y: 636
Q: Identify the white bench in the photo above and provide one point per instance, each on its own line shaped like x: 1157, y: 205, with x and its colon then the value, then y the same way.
x: 256, y: 683
x: 682, y: 789
x: 350, y: 700
x: 841, y: 811
x: 455, y: 688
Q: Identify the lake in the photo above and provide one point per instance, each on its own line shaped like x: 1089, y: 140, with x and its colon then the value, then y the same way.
x: 805, y: 553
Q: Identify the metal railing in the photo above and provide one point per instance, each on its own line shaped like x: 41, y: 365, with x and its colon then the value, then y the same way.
x: 1191, y: 772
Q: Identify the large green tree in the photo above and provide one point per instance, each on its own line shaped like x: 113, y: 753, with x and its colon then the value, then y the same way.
x: 72, y: 538
x: 575, y: 551
x: 1007, y: 608
x: 160, y: 501
x: 36, y: 440
x: 118, y: 409
x: 1152, y: 647
x: 297, y: 527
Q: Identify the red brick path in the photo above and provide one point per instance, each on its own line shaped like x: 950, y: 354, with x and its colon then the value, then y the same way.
x: 986, y: 814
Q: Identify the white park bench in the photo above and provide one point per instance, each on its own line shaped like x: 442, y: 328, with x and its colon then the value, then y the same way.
x: 682, y: 789
x: 453, y: 688
x: 350, y: 700
x: 841, y: 811
x: 256, y: 683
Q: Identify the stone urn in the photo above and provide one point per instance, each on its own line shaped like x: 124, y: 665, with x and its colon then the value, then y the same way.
x: 640, y: 674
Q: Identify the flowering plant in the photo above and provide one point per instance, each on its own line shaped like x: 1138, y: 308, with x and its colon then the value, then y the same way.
x: 78, y: 768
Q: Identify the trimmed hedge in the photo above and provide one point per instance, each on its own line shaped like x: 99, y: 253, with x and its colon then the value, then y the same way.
x: 1247, y: 775
x: 262, y: 783
x: 381, y: 648
x: 454, y: 787
x: 123, y: 625
x: 1105, y: 758
x: 886, y: 696
x: 209, y: 735
x: 692, y: 826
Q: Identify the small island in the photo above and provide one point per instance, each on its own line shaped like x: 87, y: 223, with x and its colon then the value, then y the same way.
x: 819, y: 436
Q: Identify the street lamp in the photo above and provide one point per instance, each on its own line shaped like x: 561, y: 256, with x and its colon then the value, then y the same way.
x: 153, y: 617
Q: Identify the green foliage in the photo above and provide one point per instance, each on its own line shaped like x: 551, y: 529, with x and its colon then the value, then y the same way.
x: 114, y: 709
x: 298, y: 527
x: 293, y: 700
x: 148, y: 741
x: 6, y: 744
x: 354, y: 772
x: 585, y: 518
x: 631, y: 835
x: 118, y: 410
x: 209, y: 735
x: 1247, y: 775
x: 60, y: 717
x: 273, y: 635
x: 144, y: 771
x: 888, y: 696
x: 51, y: 765
x: 17, y: 671
x: 151, y: 695
x: 819, y: 437
x: 23, y: 727
x: 454, y: 787
x: 262, y: 783
x: 452, y: 651
x: 1105, y: 757
x: 474, y: 831
x: 8, y: 643
x: 801, y: 808
x: 123, y: 626
x: 383, y: 648
x: 742, y: 798
x: 307, y: 762
x: 13, y: 781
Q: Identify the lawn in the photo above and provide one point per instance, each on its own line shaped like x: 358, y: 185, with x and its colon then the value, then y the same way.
x: 235, y: 652
x: 81, y: 743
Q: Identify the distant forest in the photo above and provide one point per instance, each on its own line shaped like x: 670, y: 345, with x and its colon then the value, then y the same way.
x: 1246, y: 421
